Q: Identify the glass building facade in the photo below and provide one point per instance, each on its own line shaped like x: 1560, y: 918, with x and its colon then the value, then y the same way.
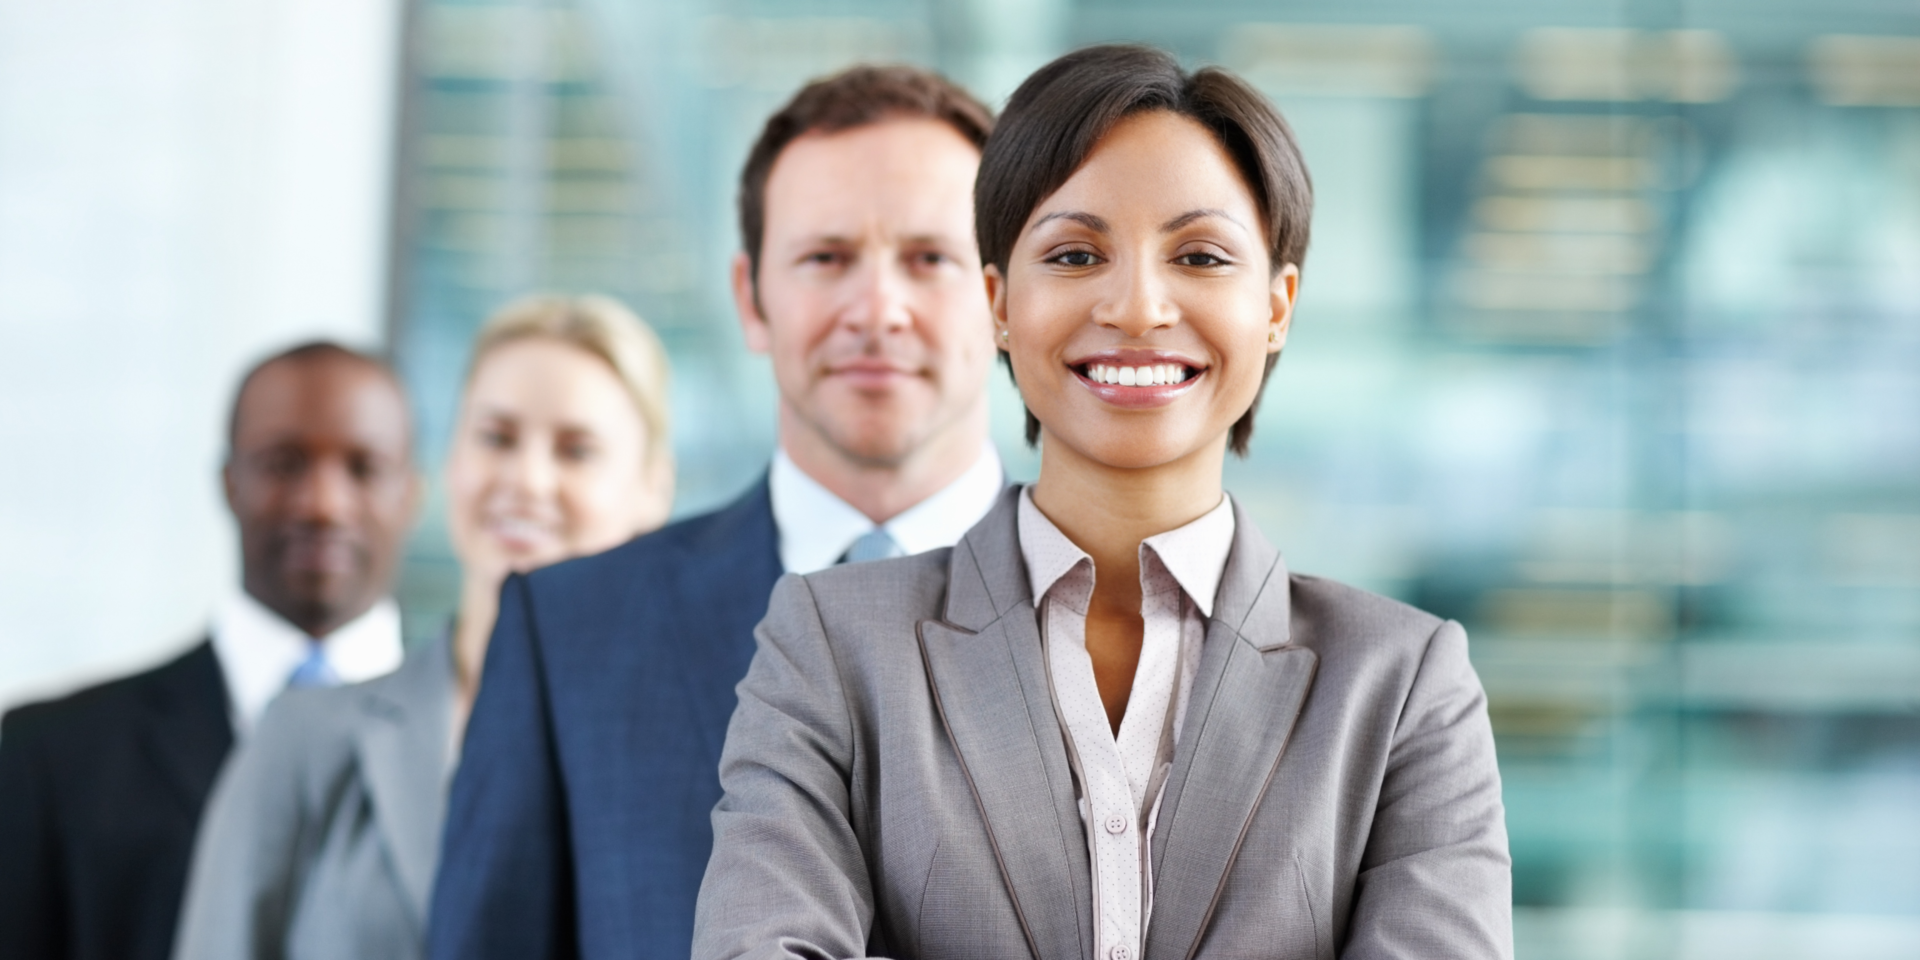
x: 1608, y: 346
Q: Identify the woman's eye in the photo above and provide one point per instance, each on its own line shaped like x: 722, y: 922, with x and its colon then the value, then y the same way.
x: 1076, y: 258
x: 1199, y: 260
x: 496, y: 439
x: 576, y: 452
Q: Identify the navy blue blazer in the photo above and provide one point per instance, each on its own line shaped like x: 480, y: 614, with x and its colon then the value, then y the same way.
x: 579, y: 824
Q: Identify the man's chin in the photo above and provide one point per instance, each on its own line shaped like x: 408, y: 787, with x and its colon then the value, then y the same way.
x: 876, y: 445
x: 330, y: 601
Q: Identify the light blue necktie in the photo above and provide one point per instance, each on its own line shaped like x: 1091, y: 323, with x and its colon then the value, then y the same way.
x: 314, y: 671
x: 874, y: 545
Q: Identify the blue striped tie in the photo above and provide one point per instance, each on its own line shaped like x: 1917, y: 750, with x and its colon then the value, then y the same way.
x: 314, y: 671
x: 875, y: 545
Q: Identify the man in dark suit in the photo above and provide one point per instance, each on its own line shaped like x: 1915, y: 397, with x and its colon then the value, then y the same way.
x: 101, y: 791
x: 579, y: 822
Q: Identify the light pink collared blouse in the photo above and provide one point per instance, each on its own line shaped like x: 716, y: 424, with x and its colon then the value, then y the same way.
x: 1119, y: 778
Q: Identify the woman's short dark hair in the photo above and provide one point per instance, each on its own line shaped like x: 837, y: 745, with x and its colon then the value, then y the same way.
x: 1057, y: 116
x: 851, y: 98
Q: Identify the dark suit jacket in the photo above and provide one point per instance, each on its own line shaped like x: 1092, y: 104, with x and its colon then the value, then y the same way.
x: 579, y: 823
x: 100, y: 793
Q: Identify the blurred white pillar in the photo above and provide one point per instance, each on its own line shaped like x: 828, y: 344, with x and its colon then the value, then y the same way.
x: 184, y: 185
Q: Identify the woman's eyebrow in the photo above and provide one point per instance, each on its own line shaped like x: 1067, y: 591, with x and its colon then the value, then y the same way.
x: 1087, y: 220
x: 1192, y: 215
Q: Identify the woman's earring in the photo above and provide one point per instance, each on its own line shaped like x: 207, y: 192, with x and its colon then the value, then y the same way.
x: 1004, y: 335
x: 1273, y: 336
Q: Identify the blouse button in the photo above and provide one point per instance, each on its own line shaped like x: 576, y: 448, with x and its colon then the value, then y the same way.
x: 1117, y: 824
x: 1118, y: 951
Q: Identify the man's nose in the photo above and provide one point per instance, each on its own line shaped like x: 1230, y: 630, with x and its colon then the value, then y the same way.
x: 879, y: 296
x: 328, y: 493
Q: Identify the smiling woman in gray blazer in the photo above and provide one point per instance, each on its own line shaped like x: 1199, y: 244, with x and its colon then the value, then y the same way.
x: 1110, y: 723
x: 323, y: 834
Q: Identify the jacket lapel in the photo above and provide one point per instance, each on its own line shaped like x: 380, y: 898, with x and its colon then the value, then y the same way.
x: 721, y: 581
x: 1248, y: 693
x: 189, y: 732
x: 402, y: 739
x: 986, y: 668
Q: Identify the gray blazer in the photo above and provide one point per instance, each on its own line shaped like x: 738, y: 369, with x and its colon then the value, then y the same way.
x: 896, y: 783
x: 322, y: 835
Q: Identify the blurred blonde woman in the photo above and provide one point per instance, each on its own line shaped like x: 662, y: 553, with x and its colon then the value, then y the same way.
x: 322, y: 837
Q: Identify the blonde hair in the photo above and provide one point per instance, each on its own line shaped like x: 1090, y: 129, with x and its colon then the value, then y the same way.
x: 601, y: 326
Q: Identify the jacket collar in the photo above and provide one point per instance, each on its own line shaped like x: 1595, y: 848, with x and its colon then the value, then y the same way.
x: 987, y: 670
x: 404, y: 741
x: 187, y: 732
x: 988, y: 577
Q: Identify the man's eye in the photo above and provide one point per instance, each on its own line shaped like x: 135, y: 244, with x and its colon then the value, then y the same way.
x: 930, y: 258
x: 1076, y: 258
x: 824, y: 258
x: 496, y: 439
x: 283, y: 463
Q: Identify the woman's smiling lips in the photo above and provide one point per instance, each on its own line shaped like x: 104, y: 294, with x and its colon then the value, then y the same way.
x: 1137, y: 379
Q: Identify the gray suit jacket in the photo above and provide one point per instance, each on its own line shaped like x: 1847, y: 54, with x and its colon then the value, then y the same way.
x: 896, y: 783
x: 322, y: 835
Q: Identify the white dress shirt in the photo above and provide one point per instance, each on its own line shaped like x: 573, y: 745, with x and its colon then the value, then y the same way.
x: 258, y: 651
x: 816, y: 527
x: 1119, y: 778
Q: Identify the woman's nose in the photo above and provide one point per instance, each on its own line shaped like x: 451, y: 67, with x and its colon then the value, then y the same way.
x: 1137, y: 300
x: 531, y: 470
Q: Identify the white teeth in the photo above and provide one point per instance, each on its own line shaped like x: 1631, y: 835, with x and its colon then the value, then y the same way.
x: 1158, y: 374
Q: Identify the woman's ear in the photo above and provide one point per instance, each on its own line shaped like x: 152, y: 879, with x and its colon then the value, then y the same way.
x: 997, y: 302
x: 1286, y: 286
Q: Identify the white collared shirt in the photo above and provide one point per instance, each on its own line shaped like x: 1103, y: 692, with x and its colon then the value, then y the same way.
x: 1120, y: 778
x: 816, y: 527
x: 258, y: 651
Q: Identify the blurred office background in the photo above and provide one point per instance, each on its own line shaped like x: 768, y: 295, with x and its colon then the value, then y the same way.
x: 1609, y: 347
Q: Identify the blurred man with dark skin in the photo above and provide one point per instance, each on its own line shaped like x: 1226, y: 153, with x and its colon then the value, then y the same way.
x: 100, y: 791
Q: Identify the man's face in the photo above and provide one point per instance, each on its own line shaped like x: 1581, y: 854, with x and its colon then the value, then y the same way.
x: 869, y: 297
x: 321, y: 481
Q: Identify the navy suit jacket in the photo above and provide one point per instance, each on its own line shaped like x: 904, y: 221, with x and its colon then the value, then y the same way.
x: 100, y: 794
x: 579, y: 824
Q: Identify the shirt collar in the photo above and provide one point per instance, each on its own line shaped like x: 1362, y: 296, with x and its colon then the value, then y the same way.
x: 1049, y: 554
x: 816, y: 526
x: 257, y: 650
x: 1194, y: 554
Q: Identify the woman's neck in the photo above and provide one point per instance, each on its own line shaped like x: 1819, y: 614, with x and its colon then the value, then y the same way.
x: 472, y: 628
x: 1107, y: 511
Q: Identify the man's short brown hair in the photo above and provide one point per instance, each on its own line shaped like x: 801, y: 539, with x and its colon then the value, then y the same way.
x: 852, y: 98
x: 1057, y: 116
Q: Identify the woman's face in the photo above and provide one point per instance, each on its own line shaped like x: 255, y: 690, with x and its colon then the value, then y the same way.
x: 1139, y: 305
x: 549, y: 461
